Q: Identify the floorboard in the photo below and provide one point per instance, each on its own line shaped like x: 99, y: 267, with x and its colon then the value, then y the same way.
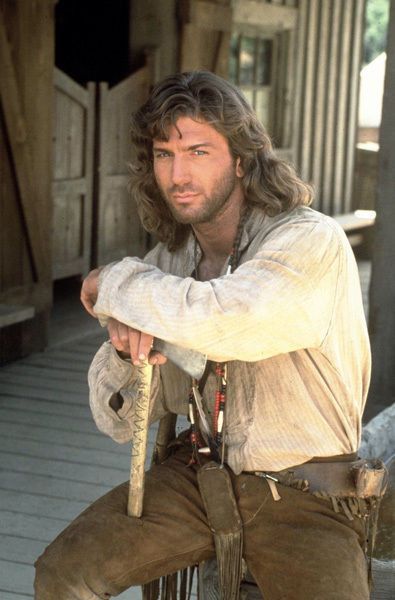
x: 46, y: 405
x: 52, y: 486
x: 22, y: 379
x: 40, y: 506
x: 38, y: 449
x: 54, y: 461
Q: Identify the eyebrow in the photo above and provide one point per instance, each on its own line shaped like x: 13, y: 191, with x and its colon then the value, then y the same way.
x: 193, y: 147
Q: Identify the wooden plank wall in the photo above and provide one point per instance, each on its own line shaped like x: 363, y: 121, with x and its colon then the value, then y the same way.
x: 205, y: 35
x: 154, y: 25
x: 74, y: 121
x: 326, y: 98
x: 27, y: 51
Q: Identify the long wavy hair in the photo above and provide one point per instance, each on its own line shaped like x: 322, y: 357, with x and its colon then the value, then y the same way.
x: 268, y: 182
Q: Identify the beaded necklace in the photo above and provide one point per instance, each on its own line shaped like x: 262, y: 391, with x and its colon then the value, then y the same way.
x: 203, y: 441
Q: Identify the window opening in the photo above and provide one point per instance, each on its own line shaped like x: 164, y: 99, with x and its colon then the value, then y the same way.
x: 250, y: 68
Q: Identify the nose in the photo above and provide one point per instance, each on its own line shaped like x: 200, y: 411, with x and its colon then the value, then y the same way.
x: 180, y: 173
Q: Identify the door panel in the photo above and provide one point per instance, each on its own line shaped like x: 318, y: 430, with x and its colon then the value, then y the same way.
x: 118, y: 229
x: 73, y: 147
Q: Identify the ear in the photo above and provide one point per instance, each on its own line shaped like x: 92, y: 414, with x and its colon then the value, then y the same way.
x: 239, y: 168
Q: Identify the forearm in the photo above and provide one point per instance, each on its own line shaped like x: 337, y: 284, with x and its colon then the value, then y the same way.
x: 232, y: 318
x: 275, y: 302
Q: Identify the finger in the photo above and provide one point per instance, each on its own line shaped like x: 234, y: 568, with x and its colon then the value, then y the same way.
x: 87, y: 303
x: 123, y: 335
x: 156, y: 358
x: 118, y: 333
x: 145, y: 345
x: 115, y: 339
x: 134, y: 344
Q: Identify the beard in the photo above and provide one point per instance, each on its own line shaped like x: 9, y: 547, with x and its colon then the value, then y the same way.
x: 209, y: 207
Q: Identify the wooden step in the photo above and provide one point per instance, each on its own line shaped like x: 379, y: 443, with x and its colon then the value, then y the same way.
x: 11, y: 314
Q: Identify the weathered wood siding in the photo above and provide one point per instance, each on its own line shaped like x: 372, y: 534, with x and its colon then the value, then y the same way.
x: 326, y: 96
x: 26, y: 55
x: 205, y: 35
x: 154, y: 25
x: 73, y: 132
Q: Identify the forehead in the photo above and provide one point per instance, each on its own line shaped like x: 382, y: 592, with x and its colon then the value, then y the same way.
x: 188, y: 131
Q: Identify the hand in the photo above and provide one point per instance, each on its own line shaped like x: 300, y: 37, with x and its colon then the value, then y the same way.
x: 89, y: 291
x: 132, y: 343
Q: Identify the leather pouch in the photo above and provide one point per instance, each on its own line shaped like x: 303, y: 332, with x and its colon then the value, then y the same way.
x: 370, y: 478
x: 225, y: 522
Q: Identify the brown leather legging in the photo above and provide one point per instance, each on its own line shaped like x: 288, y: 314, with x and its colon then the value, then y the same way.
x: 297, y: 548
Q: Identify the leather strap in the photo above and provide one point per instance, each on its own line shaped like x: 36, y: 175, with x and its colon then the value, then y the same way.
x: 359, y: 479
x: 337, y: 458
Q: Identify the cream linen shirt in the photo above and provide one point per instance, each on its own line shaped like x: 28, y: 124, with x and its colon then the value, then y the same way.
x: 289, y: 321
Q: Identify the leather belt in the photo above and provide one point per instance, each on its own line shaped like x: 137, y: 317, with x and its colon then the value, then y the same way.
x: 346, y: 477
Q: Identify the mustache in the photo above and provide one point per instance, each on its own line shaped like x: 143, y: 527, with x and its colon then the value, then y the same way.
x: 182, y: 189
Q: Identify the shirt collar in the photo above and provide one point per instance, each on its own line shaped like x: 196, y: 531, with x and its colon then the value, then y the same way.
x: 253, y: 224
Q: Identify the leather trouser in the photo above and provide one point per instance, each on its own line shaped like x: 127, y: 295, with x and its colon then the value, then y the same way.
x: 297, y: 548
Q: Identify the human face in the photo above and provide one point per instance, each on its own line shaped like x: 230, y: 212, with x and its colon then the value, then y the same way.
x: 196, y: 173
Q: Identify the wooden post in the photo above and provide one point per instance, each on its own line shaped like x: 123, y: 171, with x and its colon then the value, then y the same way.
x: 382, y: 288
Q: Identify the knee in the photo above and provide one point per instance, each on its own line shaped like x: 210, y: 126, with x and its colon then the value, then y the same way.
x: 62, y: 575
x: 55, y: 578
x: 45, y: 581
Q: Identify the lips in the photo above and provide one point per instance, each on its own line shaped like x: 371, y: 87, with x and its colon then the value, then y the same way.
x: 184, y: 197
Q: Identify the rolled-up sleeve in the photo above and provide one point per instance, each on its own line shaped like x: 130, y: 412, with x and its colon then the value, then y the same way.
x: 280, y: 300
x: 112, y: 378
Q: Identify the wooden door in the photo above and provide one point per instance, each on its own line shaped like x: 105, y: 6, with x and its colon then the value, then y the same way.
x: 118, y: 231
x: 73, y: 131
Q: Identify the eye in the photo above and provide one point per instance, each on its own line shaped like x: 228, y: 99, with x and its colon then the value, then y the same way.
x: 161, y: 154
x: 199, y: 152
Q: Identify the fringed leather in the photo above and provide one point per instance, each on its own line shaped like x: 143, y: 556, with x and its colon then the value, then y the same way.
x: 348, y: 505
x: 225, y: 522
x: 229, y: 550
x: 371, y: 532
x: 150, y: 591
x: 363, y: 508
x: 176, y: 586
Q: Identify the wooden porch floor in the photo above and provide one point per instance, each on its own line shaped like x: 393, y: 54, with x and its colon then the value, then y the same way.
x: 54, y: 462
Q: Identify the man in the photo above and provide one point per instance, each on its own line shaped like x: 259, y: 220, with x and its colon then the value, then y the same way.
x: 268, y: 289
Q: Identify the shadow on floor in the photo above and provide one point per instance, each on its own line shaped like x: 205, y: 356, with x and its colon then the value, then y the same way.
x: 69, y: 320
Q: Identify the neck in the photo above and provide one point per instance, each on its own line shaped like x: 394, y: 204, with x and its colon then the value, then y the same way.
x: 216, y: 237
